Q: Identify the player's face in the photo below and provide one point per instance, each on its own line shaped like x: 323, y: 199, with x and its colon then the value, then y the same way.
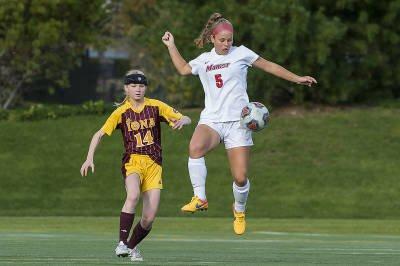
x: 222, y: 41
x: 135, y: 91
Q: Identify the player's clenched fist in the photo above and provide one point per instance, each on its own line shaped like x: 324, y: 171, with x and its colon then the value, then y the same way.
x: 168, y: 38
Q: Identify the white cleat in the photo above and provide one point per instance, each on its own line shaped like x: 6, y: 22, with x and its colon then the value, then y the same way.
x: 121, y: 250
x: 135, y: 255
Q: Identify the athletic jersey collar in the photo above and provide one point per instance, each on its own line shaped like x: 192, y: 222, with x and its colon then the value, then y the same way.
x: 214, y: 53
x: 138, y: 110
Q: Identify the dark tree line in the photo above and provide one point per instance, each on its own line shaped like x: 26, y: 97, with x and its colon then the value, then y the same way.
x: 351, y: 47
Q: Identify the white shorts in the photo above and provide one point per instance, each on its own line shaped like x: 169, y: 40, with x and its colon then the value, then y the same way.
x: 231, y: 133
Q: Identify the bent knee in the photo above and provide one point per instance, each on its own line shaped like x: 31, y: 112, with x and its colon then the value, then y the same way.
x: 197, y: 150
x: 240, y: 180
x: 147, y: 221
x: 132, y: 199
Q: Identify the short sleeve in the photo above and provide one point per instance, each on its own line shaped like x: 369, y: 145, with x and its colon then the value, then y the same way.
x: 248, y: 55
x: 196, y: 63
x: 168, y: 113
x: 112, y: 122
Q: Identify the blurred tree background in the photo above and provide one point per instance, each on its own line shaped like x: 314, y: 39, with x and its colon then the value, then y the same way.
x: 42, y: 41
x: 350, y: 47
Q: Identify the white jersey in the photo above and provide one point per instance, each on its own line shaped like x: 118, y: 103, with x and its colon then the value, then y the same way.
x: 224, y: 80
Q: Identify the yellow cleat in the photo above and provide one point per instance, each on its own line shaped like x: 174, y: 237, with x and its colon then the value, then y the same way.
x: 239, y: 222
x: 195, y: 205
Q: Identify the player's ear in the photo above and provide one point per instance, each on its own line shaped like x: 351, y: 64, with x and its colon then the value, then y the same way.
x: 212, y: 38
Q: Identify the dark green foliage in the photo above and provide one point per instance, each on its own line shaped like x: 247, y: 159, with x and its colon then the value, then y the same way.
x: 40, y: 41
x: 350, y: 47
x: 4, y: 114
x: 42, y: 112
x: 362, y: 61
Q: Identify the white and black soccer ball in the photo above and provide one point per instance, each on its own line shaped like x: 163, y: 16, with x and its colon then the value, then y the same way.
x: 254, y: 117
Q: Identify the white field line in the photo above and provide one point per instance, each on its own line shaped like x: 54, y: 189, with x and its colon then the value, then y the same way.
x: 324, y: 235
x: 287, y: 233
x: 101, y: 261
x: 349, y: 251
x: 217, y: 240
x: 353, y: 249
x: 25, y: 259
x: 361, y: 253
x: 49, y: 237
x: 322, y: 249
x: 193, y: 263
x: 221, y: 240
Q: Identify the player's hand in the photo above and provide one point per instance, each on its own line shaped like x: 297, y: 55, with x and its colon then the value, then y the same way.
x: 85, y: 166
x: 178, y: 124
x: 168, y: 39
x: 306, y: 80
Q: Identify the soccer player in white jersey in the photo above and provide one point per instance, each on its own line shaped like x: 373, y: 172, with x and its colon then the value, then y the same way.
x: 223, y: 74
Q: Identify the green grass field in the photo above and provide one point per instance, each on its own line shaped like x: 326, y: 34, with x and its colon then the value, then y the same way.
x: 201, y: 241
x: 342, y: 163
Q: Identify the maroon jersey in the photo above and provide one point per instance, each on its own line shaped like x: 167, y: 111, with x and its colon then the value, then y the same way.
x: 141, y: 129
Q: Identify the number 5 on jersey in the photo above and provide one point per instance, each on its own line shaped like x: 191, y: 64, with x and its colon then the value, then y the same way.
x: 218, y: 81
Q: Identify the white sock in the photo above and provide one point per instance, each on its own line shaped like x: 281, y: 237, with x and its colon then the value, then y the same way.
x: 198, y: 173
x: 240, y: 194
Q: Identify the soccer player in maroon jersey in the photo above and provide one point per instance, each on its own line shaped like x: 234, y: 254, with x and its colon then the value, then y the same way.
x: 139, y: 120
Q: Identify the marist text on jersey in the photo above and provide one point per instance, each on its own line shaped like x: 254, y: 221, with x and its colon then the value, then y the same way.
x: 215, y: 67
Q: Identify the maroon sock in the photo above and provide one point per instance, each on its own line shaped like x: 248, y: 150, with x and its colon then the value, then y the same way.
x: 125, y: 225
x: 138, y: 234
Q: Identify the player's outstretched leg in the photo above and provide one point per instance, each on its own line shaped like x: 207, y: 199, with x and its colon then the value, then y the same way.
x: 138, y: 234
x: 196, y: 204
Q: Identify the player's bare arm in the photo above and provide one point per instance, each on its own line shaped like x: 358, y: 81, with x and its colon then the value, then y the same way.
x: 179, y: 62
x: 279, y: 71
x: 92, y: 148
x: 178, y: 124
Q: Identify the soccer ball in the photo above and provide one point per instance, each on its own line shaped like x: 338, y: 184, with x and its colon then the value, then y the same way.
x: 254, y: 117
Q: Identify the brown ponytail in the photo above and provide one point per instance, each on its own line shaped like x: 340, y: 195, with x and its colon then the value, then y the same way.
x: 205, y: 34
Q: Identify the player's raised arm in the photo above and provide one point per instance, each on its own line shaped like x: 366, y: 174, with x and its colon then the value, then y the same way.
x: 179, y: 62
x: 282, y: 72
x: 92, y: 148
